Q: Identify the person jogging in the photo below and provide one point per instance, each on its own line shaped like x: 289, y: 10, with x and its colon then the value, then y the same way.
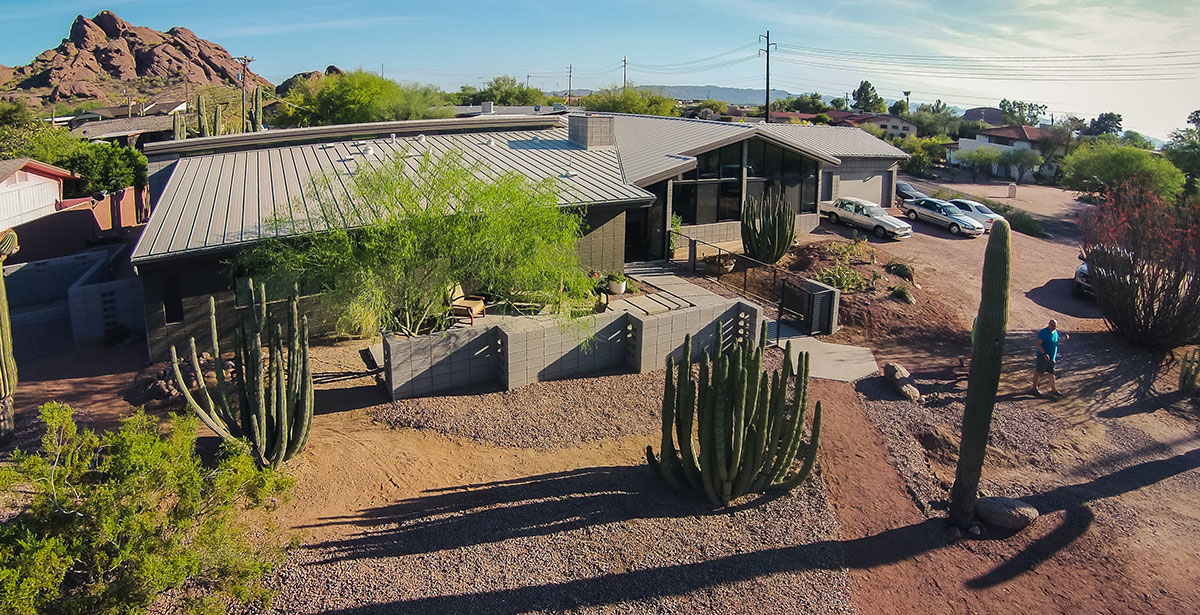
x: 1047, y: 357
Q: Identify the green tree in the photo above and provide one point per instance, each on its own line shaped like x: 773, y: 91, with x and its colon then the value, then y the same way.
x: 839, y: 104
x: 1096, y: 167
x: 935, y: 119
x: 1183, y: 150
x: 867, y: 100
x: 812, y: 102
x: 923, y: 153
x: 898, y: 108
x: 358, y: 97
x: 466, y: 95
x: 507, y: 90
x: 719, y: 107
x: 980, y: 160
x: 418, y: 233
x: 1020, y: 113
x: 1022, y: 160
x: 1136, y: 139
x: 1194, y: 118
x: 629, y: 100
x: 105, y: 167
x: 15, y: 113
x: 1104, y: 124
x: 49, y: 144
x: 113, y: 520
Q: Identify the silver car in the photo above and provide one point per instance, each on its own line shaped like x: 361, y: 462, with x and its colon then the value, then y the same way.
x: 978, y: 212
x: 944, y: 214
x: 867, y: 215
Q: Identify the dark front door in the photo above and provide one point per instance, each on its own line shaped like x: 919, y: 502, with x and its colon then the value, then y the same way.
x: 636, y: 235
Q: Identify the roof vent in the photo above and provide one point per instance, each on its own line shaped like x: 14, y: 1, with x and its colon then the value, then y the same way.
x: 486, y: 107
x: 358, y: 143
x: 421, y: 139
x: 368, y: 151
x: 490, y: 141
x: 591, y: 131
x: 393, y: 138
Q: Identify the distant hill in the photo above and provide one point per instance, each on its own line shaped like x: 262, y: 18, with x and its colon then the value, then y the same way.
x: 105, y: 55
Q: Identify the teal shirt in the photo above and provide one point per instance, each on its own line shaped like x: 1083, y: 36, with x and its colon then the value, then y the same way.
x: 1049, y: 342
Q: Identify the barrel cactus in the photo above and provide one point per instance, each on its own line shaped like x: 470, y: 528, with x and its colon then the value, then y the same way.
x: 8, y: 364
x: 732, y: 432
x: 991, y: 326
x: 768, y: 228
x: 272, y: 410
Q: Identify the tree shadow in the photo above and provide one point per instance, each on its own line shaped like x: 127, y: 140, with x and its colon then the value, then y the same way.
x: 1056, y: 295
x: 550, y: 503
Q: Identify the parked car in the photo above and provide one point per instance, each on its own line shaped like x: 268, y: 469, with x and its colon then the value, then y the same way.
x: 867, y: 215
x: 905, y: 193
x: 1081, y: 286
x: 978, y: 212
x: 944, y: 214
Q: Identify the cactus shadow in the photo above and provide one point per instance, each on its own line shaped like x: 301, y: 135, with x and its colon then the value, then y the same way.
x: 539, y: 505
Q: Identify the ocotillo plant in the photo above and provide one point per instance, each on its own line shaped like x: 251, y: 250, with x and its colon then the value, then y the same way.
x: 1189, y: 371
x: 991, y: 325
x: 768, y: 228
x: 8, y: 364
x: 202, y: 115
x: 273, y: 410
x: 733, y: 432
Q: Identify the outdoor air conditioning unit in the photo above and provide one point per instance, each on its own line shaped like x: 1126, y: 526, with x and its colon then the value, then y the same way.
x: 486, y: 107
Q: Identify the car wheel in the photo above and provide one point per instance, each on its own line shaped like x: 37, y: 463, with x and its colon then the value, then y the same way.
x: 1076, y: 290
x: 912, y: 214
x: 834, y: 219
x: 880, y: 233
x: 954, y: 229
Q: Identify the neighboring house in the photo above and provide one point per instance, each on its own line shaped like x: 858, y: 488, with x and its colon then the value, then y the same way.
x: 892, y: 126
x: 29, y: 190
x: 1006, y: 138
x: 626, y: 174
x: 988, y: 115
x: 129, y: 131
x: 488, y: 108
x: 157, y: 108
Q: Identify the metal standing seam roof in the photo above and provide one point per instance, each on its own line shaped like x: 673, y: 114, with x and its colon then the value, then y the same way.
x: 835, y: 141
x: 220, y: 201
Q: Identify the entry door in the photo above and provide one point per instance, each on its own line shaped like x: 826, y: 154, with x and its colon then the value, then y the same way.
x: 636, y: 235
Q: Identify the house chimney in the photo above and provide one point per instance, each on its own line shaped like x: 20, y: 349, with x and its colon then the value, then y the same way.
x: 590, y: 131
x: 486, y: 107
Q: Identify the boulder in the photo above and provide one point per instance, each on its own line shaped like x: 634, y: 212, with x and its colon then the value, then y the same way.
x: 901, y: 381
x: 1006, y: 513
x: 86, y: 34
x: 297, y: 79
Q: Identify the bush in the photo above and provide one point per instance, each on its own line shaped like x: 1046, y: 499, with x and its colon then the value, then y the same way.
x: 116, y: 519
x: 1143, y: 258
x: 901, y: 270
x: 1099, y: 167
x: 844, y: 278
x: 902, y: 293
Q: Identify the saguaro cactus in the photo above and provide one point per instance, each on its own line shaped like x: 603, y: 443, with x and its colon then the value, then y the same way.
x: 179, y: 126
x: 202, y: 115
x: 8, y: 364
x: 768, y: 228
x: 274, y: 409
x: 991, y: 326
x: 733, y: 432
x: 1189, y: 370
x: 256, y: 112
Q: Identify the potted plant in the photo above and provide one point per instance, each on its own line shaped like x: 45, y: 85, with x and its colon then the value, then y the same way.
x: 719, y: 264
x: 616, y: 283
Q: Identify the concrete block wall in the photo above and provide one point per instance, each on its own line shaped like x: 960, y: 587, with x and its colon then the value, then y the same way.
x: 416, y: 366
x: 654, y: 338
x: 602, y: 247
x: 721, y: 232
x: 48, y: 280
x: 547, y: 350
x: 101, y: 307
x: 40, y: 333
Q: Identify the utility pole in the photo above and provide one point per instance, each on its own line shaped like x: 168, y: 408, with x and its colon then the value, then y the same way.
x: 381, y: 69
x: 245, y: 62
x: 526, y: 81
x: 767, y: 50
x: 624, y: 72
x: 570, y: 72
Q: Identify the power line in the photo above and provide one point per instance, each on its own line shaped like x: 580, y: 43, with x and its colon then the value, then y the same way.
x: 698, y: 60
x: 767, y: 50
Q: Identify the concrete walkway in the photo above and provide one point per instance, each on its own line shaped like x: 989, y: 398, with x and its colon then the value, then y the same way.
x: 674, y: 293
x: 829, y: 361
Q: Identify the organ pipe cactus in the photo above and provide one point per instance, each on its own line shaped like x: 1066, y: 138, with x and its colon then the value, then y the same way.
x: 991, y: 326
x: 732, y: 431
x: 256, y: 112
x: 768, y: 228
x: 272, y: 410
x: 202, y: 115
x: 8, y: 364
x: 1189, y: 370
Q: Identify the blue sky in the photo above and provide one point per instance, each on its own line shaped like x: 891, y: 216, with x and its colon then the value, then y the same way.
x: 454, y: 43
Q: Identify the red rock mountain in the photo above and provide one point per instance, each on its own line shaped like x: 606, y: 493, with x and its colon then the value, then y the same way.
x: 105, y: 55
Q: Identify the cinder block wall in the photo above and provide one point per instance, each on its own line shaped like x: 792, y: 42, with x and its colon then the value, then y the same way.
x: 551, y: 351
x: 47, y: 280
x: 721, y: 232
x: 656, y: 337
x: 416, y: 366
x: 101, y: 307
x: 602, y: 248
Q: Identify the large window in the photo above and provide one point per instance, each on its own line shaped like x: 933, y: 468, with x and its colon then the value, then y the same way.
x: 713, y: 192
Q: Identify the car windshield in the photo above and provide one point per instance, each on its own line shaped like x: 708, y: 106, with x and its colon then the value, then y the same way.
x: 952, y: 210
x: 983, y: 209
x: 874, y: 211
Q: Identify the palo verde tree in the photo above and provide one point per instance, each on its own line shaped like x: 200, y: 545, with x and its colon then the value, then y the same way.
x: 507, y: 90
x: 991, y: 326
x: 1021, y: 160
x: 642, y: 101
x: 1143, y: 256
x: 357, y: 97
x: 387, y: 248
x: 1099, y: 167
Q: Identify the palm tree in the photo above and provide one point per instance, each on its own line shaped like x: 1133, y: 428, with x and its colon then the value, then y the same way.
x: 906, y: 93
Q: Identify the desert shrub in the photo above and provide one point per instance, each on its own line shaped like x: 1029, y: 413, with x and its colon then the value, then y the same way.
x: 1143, y: 258
x: 850, y: 252
x: 107, y: 522
x: 844, y: 278
x: 901, y: 269
x: 1018, y: 219
x: 902, y: 293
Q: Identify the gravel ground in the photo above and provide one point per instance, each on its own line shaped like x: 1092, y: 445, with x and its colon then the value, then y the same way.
x: 541, y: 415
x: 594, y: 540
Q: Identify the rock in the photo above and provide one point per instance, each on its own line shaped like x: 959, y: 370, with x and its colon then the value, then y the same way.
x: 1006, y: 513
x: 333, y: 70
x: 295, y: 80
x: 975, y: 530
x: 85, y: 34
x: 901, y: 381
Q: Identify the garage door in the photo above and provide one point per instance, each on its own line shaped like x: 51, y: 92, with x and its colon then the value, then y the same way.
x: 867, y: 186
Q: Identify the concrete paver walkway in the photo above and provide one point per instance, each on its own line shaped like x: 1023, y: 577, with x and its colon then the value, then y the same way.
x: 829, y: 361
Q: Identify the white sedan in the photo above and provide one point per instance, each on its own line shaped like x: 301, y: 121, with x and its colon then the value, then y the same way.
x: 978, y: 212
x: 867, y: 215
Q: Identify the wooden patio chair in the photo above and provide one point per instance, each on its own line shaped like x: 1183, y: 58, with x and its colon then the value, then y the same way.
x: 466, y: 306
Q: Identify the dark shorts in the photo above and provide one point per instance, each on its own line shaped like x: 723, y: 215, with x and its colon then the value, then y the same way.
x: 1045, y: 365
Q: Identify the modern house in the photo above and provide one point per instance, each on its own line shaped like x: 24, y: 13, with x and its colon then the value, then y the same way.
x: 1005, y: 138
x: 625, y: 174
x: 157, y: 108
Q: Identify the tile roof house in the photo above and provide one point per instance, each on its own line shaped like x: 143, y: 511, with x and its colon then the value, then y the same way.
x: 625, y: 174
x: 29, y: 190
x: 1006, y: 138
